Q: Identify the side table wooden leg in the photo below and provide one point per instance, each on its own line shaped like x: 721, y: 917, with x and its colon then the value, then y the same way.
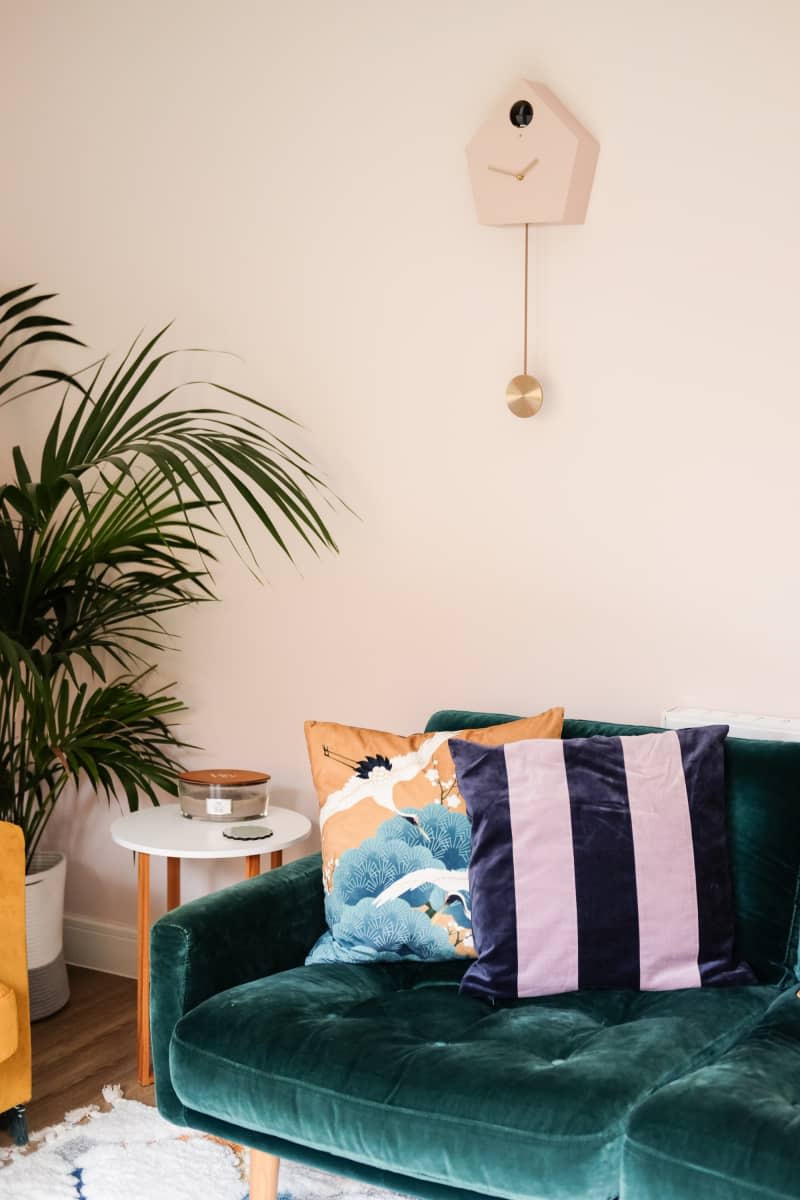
x: 252, y: 866
x: 275, y: 859
x: 143, y: 974
x: 173, y: 883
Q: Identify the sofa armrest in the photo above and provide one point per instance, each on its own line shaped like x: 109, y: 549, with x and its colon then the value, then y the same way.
x: 256, y: 928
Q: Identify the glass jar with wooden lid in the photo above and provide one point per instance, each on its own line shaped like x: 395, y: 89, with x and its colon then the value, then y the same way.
x: 221, y: 794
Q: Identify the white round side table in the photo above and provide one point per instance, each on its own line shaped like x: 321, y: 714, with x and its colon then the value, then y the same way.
x: 164, y: 832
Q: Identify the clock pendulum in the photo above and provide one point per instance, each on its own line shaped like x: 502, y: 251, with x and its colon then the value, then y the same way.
x: 524, y: 393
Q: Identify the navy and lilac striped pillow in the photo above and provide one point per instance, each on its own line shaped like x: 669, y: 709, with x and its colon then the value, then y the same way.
x: 599, y: 862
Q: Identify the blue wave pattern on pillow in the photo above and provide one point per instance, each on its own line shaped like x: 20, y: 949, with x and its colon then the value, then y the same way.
x: 390, y: 887
x: 444, y: 833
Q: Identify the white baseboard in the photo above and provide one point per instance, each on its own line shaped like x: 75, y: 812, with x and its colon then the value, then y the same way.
x: 101, y: 945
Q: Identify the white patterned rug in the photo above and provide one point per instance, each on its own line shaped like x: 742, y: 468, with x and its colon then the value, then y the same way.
x: 129, y: 1152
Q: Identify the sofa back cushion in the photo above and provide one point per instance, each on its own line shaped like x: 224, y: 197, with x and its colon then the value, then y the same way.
x: 762, y: 784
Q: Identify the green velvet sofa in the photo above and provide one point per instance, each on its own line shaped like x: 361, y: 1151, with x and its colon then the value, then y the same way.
x: 384, y: 1073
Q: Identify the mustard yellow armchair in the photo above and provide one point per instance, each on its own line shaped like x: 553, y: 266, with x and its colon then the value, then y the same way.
x: 15, y: 1025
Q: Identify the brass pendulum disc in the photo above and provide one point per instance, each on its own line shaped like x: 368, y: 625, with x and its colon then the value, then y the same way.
x: 524, y: 393
x: 524, y: 396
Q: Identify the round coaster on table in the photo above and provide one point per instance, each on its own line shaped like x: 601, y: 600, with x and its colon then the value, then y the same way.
x: 247, y: 833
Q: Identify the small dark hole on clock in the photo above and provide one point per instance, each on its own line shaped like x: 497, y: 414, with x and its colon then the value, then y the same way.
x: 521, y: 113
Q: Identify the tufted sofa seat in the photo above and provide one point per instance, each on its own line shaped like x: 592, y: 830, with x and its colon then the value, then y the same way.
x: 383, y: 1072
x: 387, y: 1064
x: 729, y: 1130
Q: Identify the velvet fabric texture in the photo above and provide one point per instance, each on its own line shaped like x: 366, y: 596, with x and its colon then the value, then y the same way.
x: 245, y: 932
x: 599, y: 862
x: 396, y: 840
x: 730, y: 1130
x: 762, y: 782
x: 15, y: 1025
x: 388, y: 1065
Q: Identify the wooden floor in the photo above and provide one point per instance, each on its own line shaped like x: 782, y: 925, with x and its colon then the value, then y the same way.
x: 91, y: 1042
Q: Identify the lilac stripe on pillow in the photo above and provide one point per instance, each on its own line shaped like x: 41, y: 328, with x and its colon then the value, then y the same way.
x: 544, y: 868
x: 616, y: 874
x: 666, y: 888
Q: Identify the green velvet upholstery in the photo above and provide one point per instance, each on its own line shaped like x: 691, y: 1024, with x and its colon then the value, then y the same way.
x: 729, y: 1131
x: 523, y: 1099
x: 236, y: 935
x: 384, y: 1073
x: 395, y: 1181
x: 763, y: 790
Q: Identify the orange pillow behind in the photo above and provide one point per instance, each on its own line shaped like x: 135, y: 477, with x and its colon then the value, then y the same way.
x: 396, y: 838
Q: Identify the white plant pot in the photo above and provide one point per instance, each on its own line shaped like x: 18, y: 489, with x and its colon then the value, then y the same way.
x: 44, y: 928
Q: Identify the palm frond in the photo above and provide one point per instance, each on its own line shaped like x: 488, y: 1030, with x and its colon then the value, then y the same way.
x: 120, y: 735
x: 112, y: 528
x: 17, y: 327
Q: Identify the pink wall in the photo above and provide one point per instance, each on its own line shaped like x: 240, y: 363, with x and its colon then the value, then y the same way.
x: 289, y: 180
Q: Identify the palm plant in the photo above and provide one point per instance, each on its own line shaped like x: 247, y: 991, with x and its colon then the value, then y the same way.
x: 111, y: 530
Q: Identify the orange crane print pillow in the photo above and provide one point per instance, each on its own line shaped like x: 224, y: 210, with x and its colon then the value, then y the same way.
x: 396, y: 839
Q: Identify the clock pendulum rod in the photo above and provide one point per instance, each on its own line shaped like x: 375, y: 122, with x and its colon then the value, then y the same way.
x: 524, y: 393
x: 525, y: 306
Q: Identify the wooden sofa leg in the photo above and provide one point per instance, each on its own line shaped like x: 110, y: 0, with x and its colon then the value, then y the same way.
x: 263, y: 1175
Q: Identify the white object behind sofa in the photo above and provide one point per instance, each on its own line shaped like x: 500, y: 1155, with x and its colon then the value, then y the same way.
x: 743, y: 725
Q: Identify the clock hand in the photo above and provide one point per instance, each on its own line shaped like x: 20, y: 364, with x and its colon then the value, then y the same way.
x: 518, y: 175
